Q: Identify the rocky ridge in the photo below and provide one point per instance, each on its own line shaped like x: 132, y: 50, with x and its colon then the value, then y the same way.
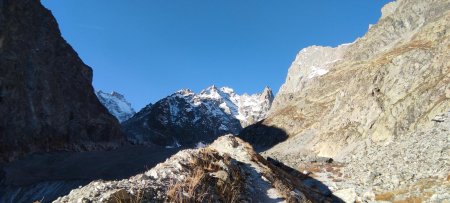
x: 371, y: 106
x: 186, y: 118
x: 390, y: 82
x: 116, y: 104
x: 228, y: 171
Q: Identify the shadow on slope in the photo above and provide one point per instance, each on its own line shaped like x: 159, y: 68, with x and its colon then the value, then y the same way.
x: 263, y: 137
x: 51, y: 175
x: 313, y: 189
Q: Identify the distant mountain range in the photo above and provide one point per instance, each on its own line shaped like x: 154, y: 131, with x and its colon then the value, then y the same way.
x: 187, y: 118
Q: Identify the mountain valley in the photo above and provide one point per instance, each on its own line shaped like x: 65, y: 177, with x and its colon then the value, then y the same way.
x: 367, y: 121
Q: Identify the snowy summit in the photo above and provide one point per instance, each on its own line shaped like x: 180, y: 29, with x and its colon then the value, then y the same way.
x: 187, y: 118
x: 116, y: 104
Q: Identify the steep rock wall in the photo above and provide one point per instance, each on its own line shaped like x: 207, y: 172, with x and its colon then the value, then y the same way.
x: 392, y: 81
x: 46, y: 98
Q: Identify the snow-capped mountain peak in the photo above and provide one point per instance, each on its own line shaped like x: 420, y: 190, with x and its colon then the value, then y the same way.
x: 187, y: 118
x: 246, y: 108
x: 184, y: 92
x: 116, y: 104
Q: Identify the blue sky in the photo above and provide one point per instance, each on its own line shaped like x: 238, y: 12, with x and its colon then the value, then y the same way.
x: 148, y: 49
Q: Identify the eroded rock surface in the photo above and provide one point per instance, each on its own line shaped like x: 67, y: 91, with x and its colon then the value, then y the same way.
x: 383, y: 96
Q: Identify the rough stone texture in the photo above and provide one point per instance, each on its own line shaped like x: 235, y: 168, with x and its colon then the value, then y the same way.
x: 347, y: 195
x: 373, y: 106
x: 388, y: 83
x: 227, y: 160
x: 46, y: 98
x: 416, y: 165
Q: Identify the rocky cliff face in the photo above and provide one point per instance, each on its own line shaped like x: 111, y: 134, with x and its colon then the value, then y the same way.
x: 46, y: 98
x: 382, y: 88
x: 226, y: 171
x: 186, y: 118
x: 391, y: 81
x: 116, y: 104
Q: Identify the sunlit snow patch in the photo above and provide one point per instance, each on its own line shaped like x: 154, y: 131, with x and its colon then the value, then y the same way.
x: 317, y: 71
x: 200, y: 145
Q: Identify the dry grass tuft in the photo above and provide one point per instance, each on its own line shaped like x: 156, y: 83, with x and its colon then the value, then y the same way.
x: 422, y: 190
x: 122, y: 196
x: 387, y: 58
x: 205, y: 185
x: 388, y: 196
x: 410, y: 200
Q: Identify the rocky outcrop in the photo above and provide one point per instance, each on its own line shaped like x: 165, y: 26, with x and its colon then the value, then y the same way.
x: 371, y: 96
x: 116, y: 104
x: 226, y: 171
x: 46, y: 98
x: 186, y: 118
x: 410, y: 167
x: 386, y: 84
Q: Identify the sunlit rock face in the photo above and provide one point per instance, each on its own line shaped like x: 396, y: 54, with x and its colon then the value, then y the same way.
x: 372, y: 104
x: 389, y: 82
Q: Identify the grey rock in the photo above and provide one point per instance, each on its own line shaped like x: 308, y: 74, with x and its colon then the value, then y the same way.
x: 379, y: 104
x: 228, y: 158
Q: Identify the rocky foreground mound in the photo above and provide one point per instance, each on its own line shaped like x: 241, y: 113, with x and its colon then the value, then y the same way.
x: 228, y: 170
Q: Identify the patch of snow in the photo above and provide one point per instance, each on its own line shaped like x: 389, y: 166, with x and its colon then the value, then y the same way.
x: 317, y: 71
x: 200, y: 145
x: 116, y: 104
x: 221, y: 104
x: 246, y: 108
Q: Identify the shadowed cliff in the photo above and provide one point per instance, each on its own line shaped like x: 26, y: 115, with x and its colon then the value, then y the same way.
x: 46, y: 99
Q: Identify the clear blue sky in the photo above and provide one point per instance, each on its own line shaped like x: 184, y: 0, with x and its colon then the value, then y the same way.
x: 147, y: 49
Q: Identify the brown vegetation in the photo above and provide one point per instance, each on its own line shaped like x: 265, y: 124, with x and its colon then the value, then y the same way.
x: 421, y: 189
x: 122, y: 196
x: 209, y: 181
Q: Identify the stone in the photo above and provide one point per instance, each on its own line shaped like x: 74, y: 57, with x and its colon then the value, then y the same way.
x: 368, y: 196
x: 232, y: 165
x: 347, y: 195
x: 222, y: 175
